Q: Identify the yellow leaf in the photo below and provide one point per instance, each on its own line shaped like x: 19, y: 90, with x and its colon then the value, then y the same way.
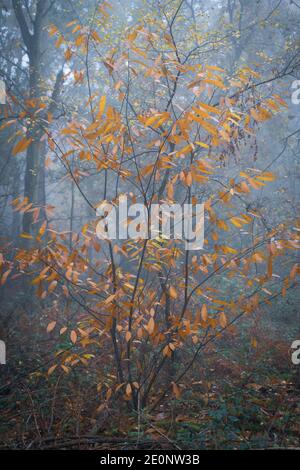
x: 214, y: 67
x: 59, y: 41
x: 209, y: 108
x: 294, y: 271
x: 267, y: 176
x: 152, y: 119
x: 202, y: 144
x: 206, y: 125
x: 110, y: 299
x: 228, y: 249
x: 77, y: 28
x: 79, y: 40
x: 189, y: 179
x: 102, y: 104
x: 237, y: 221
x: 184, y: 150
x: 216, y: 82
x: 222, y: 225
x: 255, y: 184
x: 42, y: 229
x: 68, y: 54
x: 167, y: 352
x: 67, y: 131
x: 244, y: 187
x: 260, y: 114
x: 52, y: 30
x: 95, y: 36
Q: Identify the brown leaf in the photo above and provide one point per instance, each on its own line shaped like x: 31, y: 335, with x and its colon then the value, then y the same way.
x: 52, y: 369
x: 128, y: 390
x: 5, y: 276
x: 52, y: 286
x: 128, y: 336
x: 51, y: 326
x: 151, y: 326
x: 172, y: 292
x: 176, y: 390
x: 223, y: 320
x: 204, y: 312
x: 73, y: 336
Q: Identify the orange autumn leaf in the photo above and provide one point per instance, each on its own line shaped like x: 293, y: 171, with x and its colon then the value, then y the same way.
x: 102, y: 104
x: 176, y: 390
x: 51, y: 369
x: 51, y: 326
x: 21, y: 146
x: 204, y: 312
x: 5, y: 276
x: 223, y: 320
x: 150, y: 326
x: 52, y: 286
x: 173, y: 292
x: 128, y: 336
x: 73, y: 336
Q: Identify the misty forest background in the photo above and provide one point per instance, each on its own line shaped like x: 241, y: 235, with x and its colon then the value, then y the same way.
x: 139, y: 343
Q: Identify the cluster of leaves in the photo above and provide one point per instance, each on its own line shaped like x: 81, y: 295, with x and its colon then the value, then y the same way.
x: 148, y: 302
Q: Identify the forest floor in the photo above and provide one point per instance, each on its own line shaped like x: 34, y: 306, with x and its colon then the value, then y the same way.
x: 241, y: 395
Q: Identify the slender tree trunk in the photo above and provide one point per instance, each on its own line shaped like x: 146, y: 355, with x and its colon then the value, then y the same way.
x: 32, y: 42
x: 33, y: 167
